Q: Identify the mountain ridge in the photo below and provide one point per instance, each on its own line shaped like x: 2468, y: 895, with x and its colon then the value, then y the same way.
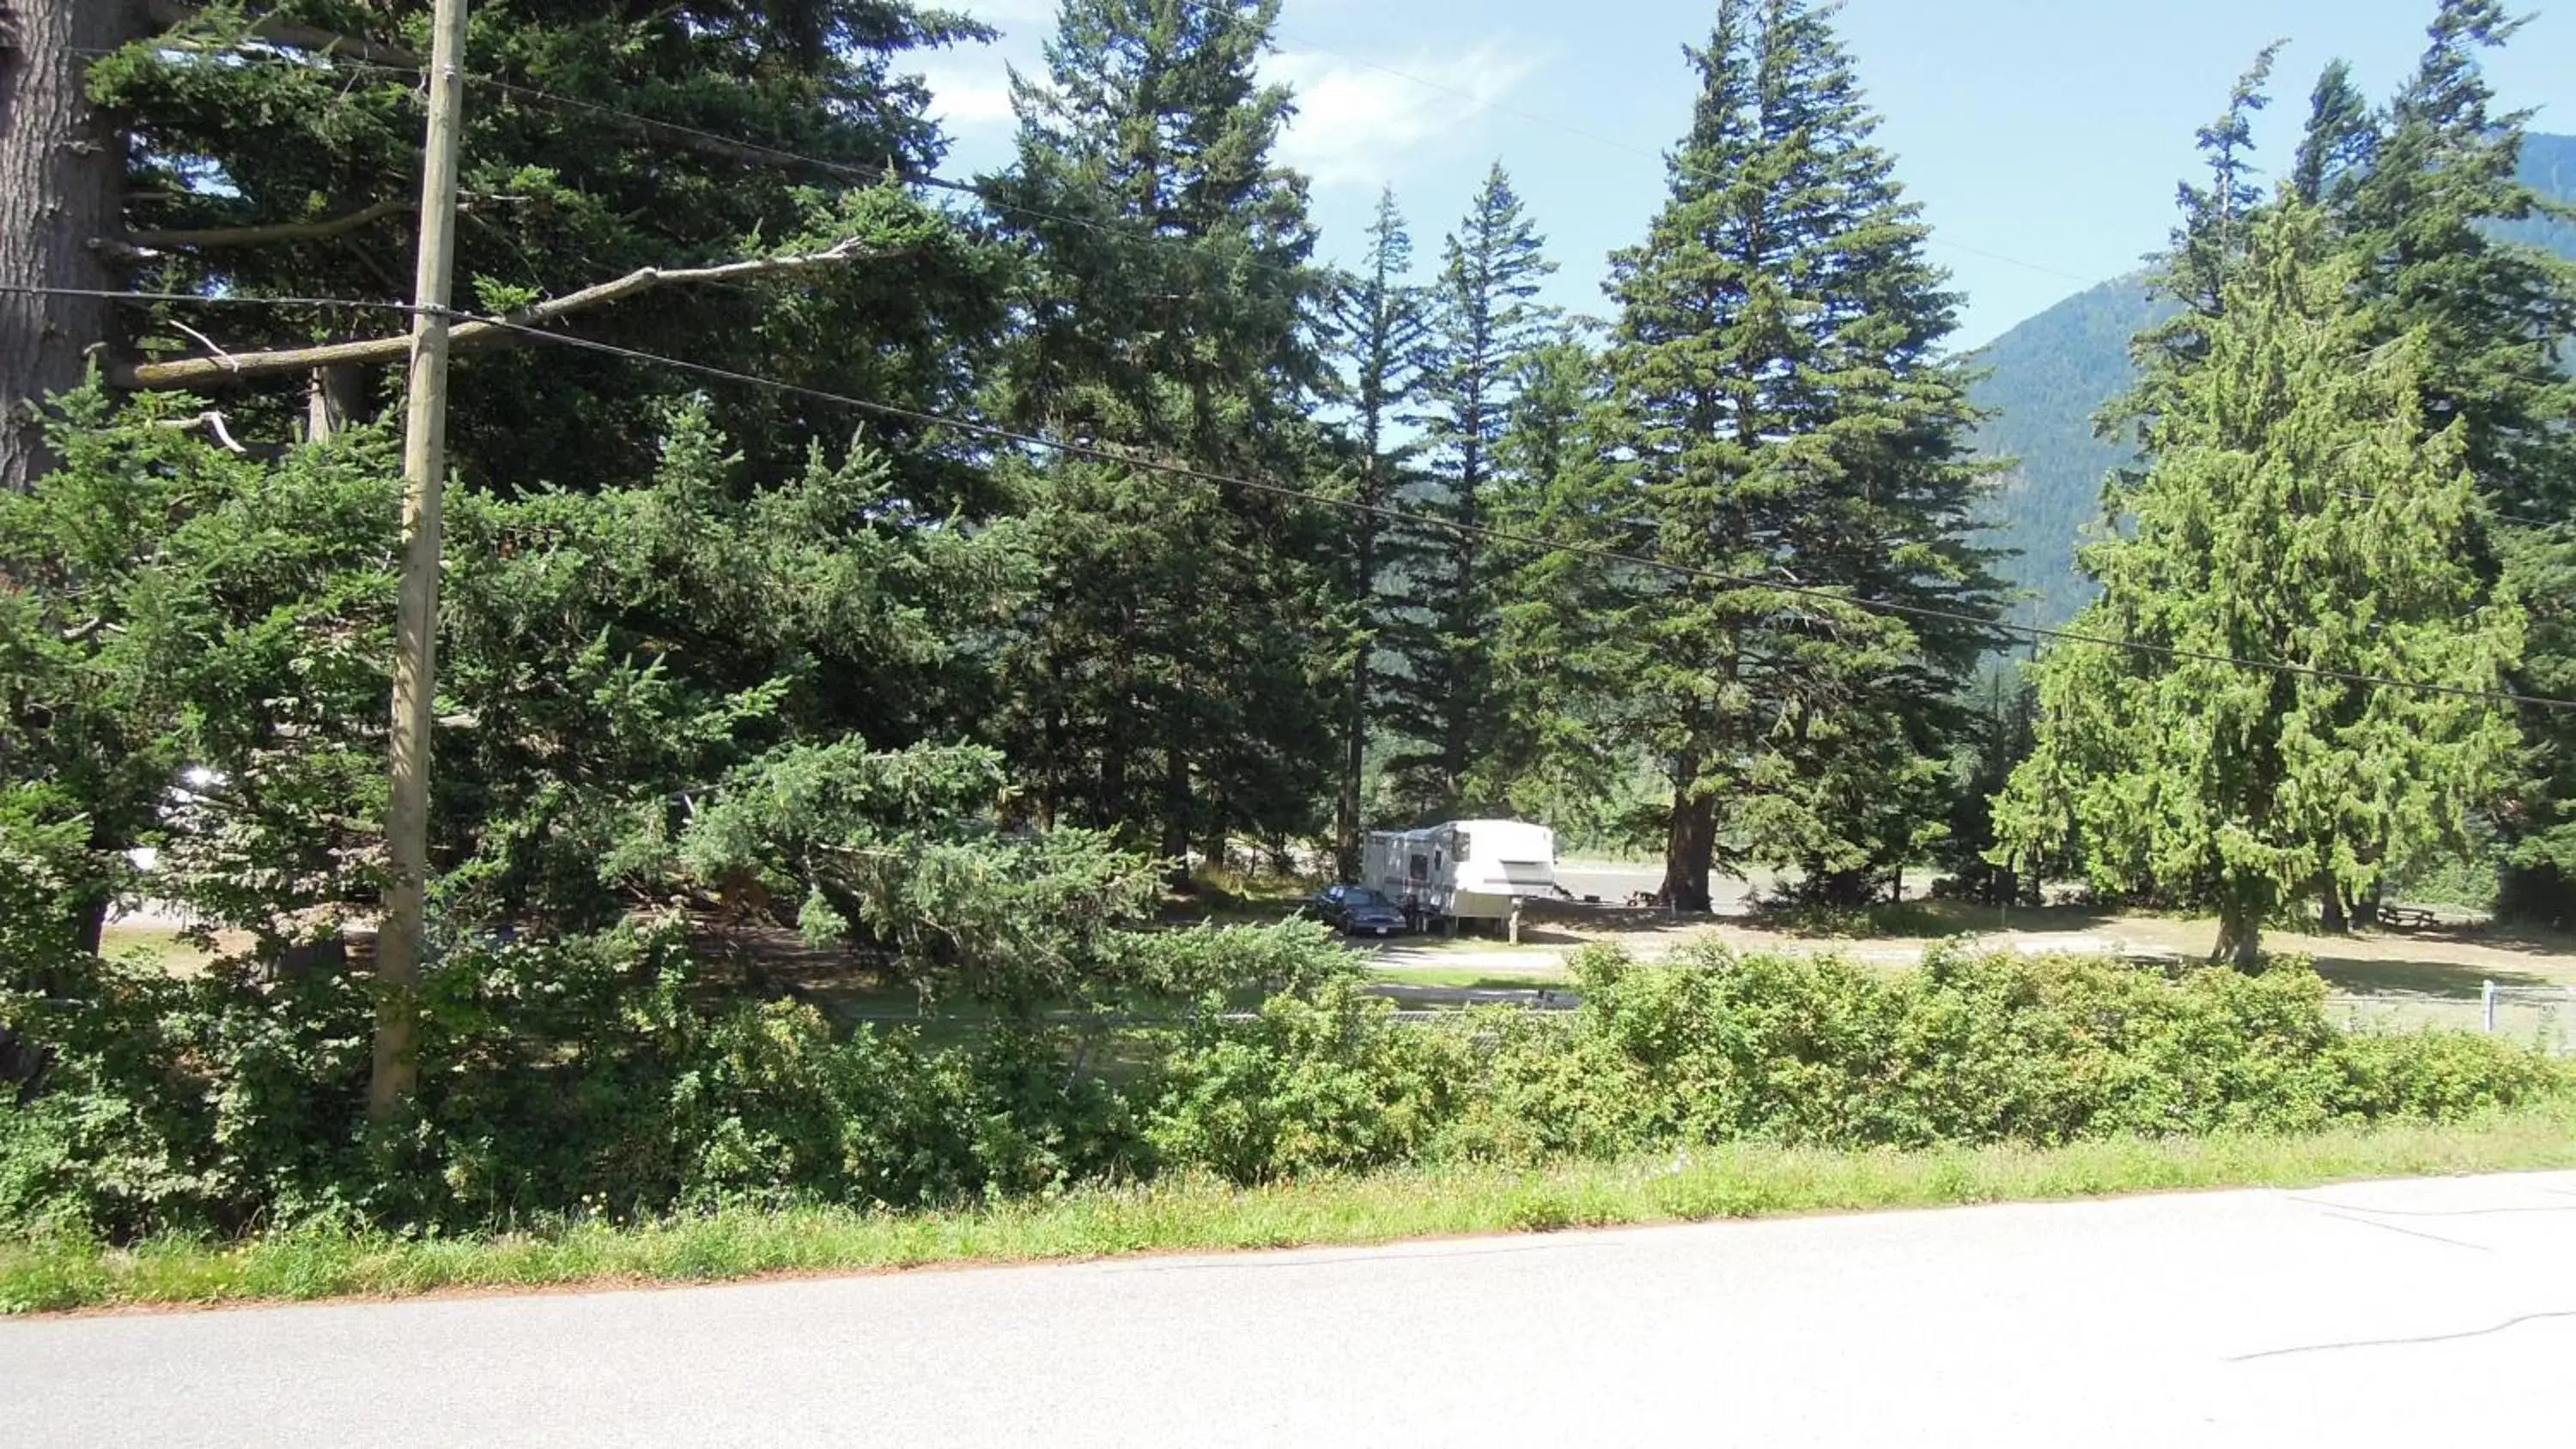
x: 2048, y: 377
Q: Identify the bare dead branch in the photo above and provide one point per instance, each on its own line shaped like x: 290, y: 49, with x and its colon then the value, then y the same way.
x: 201, y: 372
x: 212, y: 422
x: 221, y: 357
x: 171, y: 15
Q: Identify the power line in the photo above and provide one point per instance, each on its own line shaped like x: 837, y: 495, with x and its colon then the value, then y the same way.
x: 879, y: 175
x: 1118, y: 458
x: 1597, y: 138
x: 362, y: 304
x: 1185, y: 471
x: 212, y: 299
x: 871, y: 175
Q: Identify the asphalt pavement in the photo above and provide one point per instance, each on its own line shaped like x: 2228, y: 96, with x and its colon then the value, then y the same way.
x: 2419, y: 1314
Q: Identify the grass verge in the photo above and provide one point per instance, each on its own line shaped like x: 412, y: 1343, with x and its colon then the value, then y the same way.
x: 1730, y: 1182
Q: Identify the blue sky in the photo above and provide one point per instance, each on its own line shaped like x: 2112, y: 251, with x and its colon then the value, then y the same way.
x: 2043, y: 137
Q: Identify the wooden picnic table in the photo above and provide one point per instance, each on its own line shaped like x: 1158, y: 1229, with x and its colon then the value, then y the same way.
x: 2408, y: 918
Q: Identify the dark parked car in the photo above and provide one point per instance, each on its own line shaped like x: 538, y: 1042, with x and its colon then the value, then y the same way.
x: 1357, y: 911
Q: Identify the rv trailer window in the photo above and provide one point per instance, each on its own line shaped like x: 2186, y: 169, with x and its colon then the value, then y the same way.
x: 1462, y: 839
x: 1420, y: 868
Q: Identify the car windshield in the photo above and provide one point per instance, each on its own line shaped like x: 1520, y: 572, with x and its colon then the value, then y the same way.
x: 1362, y: 898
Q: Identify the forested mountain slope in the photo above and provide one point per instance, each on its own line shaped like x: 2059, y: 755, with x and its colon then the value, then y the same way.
x: 2049, y: 376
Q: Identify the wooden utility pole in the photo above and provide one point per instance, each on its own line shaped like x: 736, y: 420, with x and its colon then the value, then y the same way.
x: 398, y: 948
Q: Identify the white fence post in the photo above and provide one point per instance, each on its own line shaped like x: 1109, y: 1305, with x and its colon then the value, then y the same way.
x: 2489, y: 1001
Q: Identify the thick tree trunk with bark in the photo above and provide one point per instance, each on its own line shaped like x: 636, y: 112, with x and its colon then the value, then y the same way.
x: 335, y: 400
x: 1346, y: 820
x: 2240, y: 933
x: 2331, y: 916
x: 1690, y: 848
x: 1219, y: 848
x: 62, y: 168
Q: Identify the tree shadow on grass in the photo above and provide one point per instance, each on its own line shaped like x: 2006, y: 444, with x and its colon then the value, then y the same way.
x: 2419, y: 978
x: 2521, y: 940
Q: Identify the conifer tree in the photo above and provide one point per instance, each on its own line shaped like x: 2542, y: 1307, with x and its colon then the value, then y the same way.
x: 2299, y: 511
x: 1383, y: 322
x: 2422, y: 216
x: 1176, y: 678
x: 1548, y: 754
x: 1786, y: 415
x: 2217, y: 220
x: 1486, y: 322
x: 2341, y: 139
x: 2422, y: 196
x: 274, y: 150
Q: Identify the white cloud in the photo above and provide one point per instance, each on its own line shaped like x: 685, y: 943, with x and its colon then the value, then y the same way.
x: 969, y: 95
x: 1356, y: 122
x: 1009, y: 14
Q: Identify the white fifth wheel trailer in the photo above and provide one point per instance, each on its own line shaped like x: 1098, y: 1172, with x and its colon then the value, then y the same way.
x: 1466, y: 870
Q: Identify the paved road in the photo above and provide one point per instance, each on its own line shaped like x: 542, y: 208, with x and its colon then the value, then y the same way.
x: 2416, y: 1314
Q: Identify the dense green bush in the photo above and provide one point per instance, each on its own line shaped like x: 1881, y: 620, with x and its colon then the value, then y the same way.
x: 602, y: 1076
x: 1819, y: 1051
x: 1312, y: 1084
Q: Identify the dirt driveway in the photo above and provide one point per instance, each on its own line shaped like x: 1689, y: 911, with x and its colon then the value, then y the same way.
x: 2431, y: 975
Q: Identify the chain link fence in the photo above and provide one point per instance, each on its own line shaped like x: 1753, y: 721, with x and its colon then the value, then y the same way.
x: 2542, y: 1015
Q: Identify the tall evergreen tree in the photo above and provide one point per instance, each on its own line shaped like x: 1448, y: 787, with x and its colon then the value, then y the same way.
x: 1177, y: 677
x: 1786, y: 415
x: 2341, y: 140
x: 2419, y: 197
x: 1382, y: 319
x: 274, y: 150
x: 1547, y: 754
x: 1487, y: 322
x: 2217, y: 220
x: 2497, y: 315
x: 2300, y: 510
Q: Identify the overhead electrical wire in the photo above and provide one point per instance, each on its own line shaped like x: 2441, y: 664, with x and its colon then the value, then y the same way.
x: 878, y: 175
x: 1597, y: 138
x: 1119, y: 458
x: 871, y: 175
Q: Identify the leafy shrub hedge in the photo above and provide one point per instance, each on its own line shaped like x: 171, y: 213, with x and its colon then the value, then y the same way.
x: 1817, y: 1051
x: 594, y: 1077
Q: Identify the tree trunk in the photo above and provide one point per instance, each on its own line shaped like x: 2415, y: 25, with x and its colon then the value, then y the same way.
x: 89, y: 925
x: 1220, y: 841
x: 337, y: 396
x: 62, y: 171
x: 1118, y: 718
x: 2240, y: 935
x: 2365, y: 904
x: 1176, y: 815
x: 2330, y: 912
x: 1346, y: 822
x: 1690, y: 848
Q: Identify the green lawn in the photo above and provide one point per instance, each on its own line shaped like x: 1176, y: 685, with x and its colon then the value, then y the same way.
x: 153, y: 945
x: 1732, y: 1182
x: 1537, y: 978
